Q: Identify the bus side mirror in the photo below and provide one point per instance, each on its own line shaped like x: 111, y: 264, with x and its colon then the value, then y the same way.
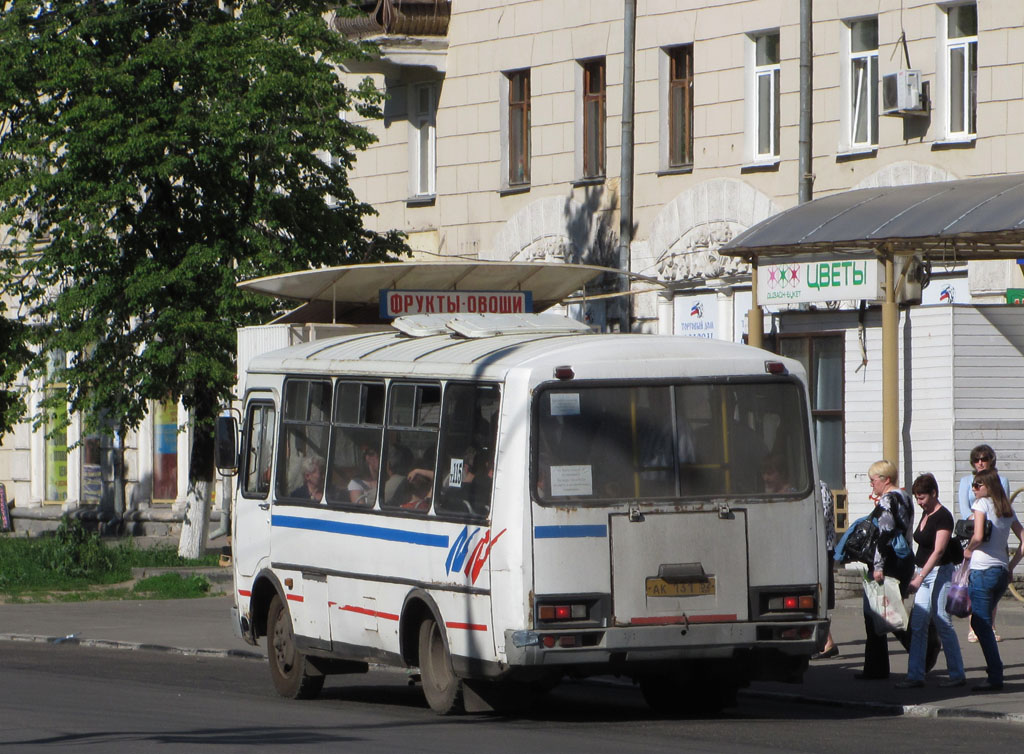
x: 226, y: 445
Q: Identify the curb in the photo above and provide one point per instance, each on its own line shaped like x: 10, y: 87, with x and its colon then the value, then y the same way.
x: 903, y: 710
x: 129, y: 645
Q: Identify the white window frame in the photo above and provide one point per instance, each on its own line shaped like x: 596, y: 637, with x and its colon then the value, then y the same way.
x: 850, y: 92
x: 422, y: 136
x: 943, y: 84
x: 755, y: 74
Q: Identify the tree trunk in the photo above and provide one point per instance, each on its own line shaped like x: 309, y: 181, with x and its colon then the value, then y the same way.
x: 200, y: 480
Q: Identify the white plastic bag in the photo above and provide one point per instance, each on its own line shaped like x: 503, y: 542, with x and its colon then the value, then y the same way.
x: 885, y: 604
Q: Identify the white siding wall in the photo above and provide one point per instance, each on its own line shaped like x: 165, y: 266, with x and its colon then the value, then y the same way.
x: 926, y: 419
x: 988, y: 366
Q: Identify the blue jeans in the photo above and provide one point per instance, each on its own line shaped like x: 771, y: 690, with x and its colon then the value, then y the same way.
x: 930, y: 607
x: 986, y: 588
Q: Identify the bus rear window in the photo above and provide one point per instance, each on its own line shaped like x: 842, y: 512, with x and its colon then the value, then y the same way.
x: 701, y: 440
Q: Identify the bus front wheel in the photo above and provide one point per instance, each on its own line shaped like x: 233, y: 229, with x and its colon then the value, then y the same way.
x: 441, y: 687
x: 293, y: 674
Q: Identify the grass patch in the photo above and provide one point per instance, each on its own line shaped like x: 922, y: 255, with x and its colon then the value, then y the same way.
x: 171, y: 586
x: 76, y: 561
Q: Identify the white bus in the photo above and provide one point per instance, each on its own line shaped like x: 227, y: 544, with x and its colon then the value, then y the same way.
x: 501, y: 501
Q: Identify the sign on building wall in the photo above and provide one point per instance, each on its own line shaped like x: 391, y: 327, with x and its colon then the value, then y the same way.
x: 402, y: 303
x: 832, y: 280
x: 695, y: 316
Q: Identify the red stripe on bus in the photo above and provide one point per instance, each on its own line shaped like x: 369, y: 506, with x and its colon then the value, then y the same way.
x: 467, y: 626
x: 244, y: 593
x: 365, y: 611
x: 672, y: 619
x: 295, y: 597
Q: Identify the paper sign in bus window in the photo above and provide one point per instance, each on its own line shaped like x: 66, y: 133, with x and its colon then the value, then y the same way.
x: 455, y: 472
x: 572, y: 481
x: 565, y: 404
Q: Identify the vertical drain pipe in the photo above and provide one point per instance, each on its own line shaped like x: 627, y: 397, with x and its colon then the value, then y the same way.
x: 626, y: 171
x: 806, y: 169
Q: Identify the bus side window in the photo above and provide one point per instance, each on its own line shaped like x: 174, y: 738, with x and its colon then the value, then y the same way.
x: 259, y: 447
x: 305, y: 424
x: 410, y: 449
x: 353, y: 474
x: 468, y: 427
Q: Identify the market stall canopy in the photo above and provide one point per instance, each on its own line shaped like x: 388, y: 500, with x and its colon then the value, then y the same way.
x: 955, y: 221
x: 353, y: 291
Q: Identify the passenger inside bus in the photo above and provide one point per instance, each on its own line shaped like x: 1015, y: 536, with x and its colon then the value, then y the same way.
x: 312, y: 487
x: 362, y: 489
x: 397, y: 490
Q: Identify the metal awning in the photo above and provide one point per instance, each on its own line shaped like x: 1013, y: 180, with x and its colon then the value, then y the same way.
x: 353, y: 291
x: 955, y: 221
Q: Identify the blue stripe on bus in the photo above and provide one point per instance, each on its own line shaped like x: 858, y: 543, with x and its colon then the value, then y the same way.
x: 570, y: 532
x: 361, y: 530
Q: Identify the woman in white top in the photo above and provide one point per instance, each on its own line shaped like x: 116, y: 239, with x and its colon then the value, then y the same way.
x: 990, y: 571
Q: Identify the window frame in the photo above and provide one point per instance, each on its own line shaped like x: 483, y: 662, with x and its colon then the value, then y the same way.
x: 772, y: 73
x: 282, y: 494
x: 593, y: 164
x: 869, y: 59
x: 812, y: 377
x: 623, y: 500
x: 262, y: 406
x: 967, y: 107
x: 423, y: 128
x: 518, y: 113
x: 679, y: 151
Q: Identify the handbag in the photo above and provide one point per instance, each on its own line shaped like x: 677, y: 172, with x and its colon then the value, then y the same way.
x: 885, y: 604
x: 958, y: 598
x: 859, y: 542
x: 965, y: 529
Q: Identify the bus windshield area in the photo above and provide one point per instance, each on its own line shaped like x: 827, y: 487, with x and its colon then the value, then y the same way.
x: 713, y: 439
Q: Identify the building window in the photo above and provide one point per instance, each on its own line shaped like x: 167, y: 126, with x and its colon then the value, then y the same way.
x: 518, y: 128
x: 864, y: 83
x: 165, y: 451
x: 822, y: 358
x: 766, y: 79
x: 422, y: 138
x: 593, y: 118
x: 962, y: 70
x: 680, y: 106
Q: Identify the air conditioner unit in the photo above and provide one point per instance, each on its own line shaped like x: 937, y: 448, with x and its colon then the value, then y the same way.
x: 901, y: 93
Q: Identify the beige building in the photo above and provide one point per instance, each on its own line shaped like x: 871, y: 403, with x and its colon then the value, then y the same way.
x: 502, y: 141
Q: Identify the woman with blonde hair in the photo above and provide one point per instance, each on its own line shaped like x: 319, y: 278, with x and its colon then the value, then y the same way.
x: 895, y: 515
x: 990, y: 566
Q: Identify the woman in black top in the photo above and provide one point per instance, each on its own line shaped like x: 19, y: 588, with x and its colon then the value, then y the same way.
x: 938, y: 554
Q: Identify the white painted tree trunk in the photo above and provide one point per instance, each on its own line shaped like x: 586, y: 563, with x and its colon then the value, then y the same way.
x: 197, y: 517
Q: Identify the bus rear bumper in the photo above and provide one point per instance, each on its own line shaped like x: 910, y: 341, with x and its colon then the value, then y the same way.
x: 627, y: 648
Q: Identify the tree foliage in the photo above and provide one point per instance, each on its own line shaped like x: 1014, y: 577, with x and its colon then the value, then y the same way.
x: 152, y: 154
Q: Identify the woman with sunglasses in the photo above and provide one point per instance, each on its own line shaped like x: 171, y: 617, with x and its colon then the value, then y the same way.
x: 982, y: 457
x: 990, y: 568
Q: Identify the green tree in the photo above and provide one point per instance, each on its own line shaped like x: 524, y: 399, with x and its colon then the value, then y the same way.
x: 152, y: 154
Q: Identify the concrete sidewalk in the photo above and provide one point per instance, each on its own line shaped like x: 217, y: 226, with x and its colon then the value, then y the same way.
x: 203, y: 626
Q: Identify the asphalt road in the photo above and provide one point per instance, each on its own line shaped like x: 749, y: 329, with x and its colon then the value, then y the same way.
x: 56, y: 699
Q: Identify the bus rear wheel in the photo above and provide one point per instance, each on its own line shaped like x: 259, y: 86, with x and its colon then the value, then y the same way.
x: 441, y: 687
x: 291, y: 671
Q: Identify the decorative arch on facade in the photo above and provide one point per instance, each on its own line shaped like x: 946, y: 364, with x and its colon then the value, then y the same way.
x: 905, y: 173
x: 552, y: 229
x: 688, y: 232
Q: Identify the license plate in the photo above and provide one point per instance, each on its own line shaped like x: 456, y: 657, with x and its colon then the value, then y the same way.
x: 660, y: 588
